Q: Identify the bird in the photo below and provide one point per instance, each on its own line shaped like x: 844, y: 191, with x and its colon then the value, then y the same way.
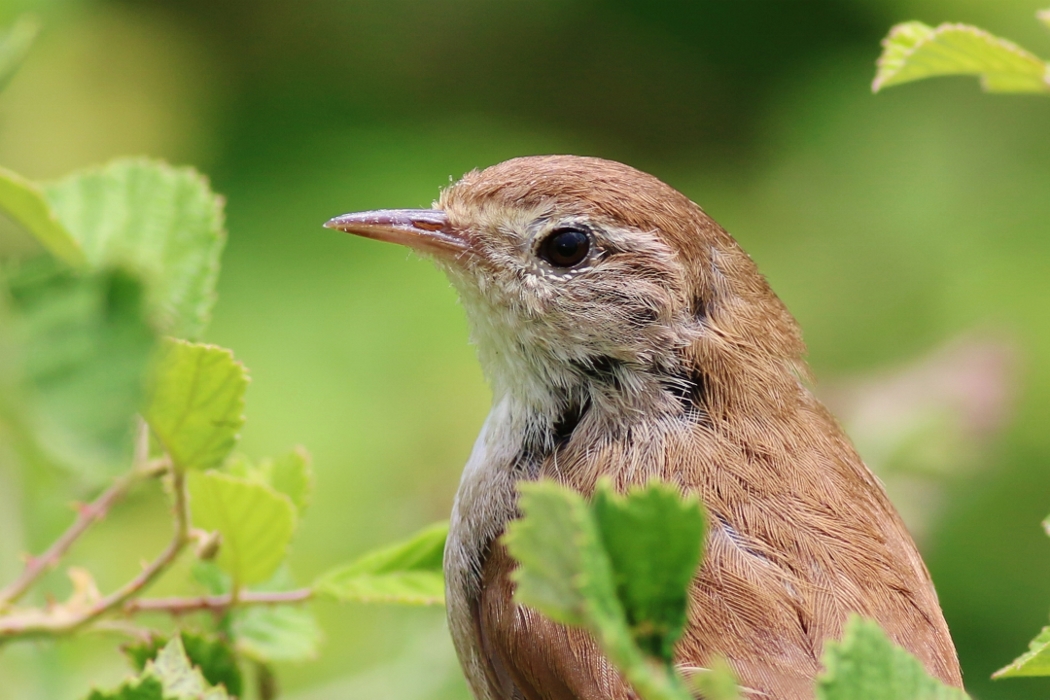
x: 627, y: 336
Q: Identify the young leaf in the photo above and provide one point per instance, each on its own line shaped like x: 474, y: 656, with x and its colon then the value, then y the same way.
x: 25, y: 203
x: 163, y: 222
x: 85, y: 345
x: 654, y: 539
x: 1035, y: 662
x: 196, y: 403
x: 408, y: 572
x: 913, y: 51
x: 279, y: 633
x: 14, y: 45
x: 866, y: 664
x: 255, y: 521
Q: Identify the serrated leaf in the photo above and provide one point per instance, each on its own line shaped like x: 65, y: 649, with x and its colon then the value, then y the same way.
x: 84, y: 345
x: 292, y: 474
x: 866, y: 664
x: 180, y: 678
x: 913, y: 51
x: 564, y: 572
x: 255, y: 521
x: 14, y: 45
x: 654, y: 540
x: 196, y: 403
x: 215, y: 659
x: 1035, y: 662
x: 163, y: 222
x: 278, y: 633
x: 148, y: 688
x: 408, y: 572
x: 24, y: 202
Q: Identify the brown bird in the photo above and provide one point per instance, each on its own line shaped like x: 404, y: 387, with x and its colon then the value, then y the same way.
x: 626, y: 334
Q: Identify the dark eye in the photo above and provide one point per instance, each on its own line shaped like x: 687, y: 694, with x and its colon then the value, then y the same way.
x: 565, y: 247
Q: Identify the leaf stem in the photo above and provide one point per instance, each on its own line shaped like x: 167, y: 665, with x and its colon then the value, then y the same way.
x: 216, y: 603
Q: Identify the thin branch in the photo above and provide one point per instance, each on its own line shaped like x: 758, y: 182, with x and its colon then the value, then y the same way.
x: 60, y: 620
x: 216, y: 603
x: 86, y: 517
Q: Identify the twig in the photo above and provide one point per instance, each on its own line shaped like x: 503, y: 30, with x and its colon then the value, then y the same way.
x: 86, y: 517
x: 60, y: 621
x: 216, y: 603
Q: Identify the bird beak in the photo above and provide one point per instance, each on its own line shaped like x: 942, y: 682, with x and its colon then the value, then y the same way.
x: 424, y: 230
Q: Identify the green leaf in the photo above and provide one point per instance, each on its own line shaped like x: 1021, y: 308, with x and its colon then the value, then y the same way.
x: 169, y: 675
x: 654, y: 539
x: 216, y: 660
x: 715, y: 683
x: 163, y: 222
x: 180, y: 679
x: 1036, y: 662
x: 913, y: 51
x: 564, y: 570
x: 84, y: 345
x: 408, y: 572
x: 278, y: 633
x: 14, y: 45
x: 25, y: 203
x: 255, y: 521
x: 196, y: 403
x: 292, y: 474
x: 1044, y: 17
x: 866, y: 664
x: 147, y: 688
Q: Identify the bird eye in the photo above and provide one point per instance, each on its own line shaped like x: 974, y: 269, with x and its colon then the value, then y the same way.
x: 565, y: 247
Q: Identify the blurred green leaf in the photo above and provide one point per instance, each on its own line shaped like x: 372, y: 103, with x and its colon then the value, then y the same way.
x: 24, y: 202
x: 255, y: 521
x: 146, y: 688
x: 292, y: 474
x: 168, y: 676
x: 1035, y: 662
x: 913, y: 51
x: 179, y: 677
x: 14, y: 45
x: 654, y: 539
x: 212, y: 655
x: 278, y: 633
x: 163, y: 222
x: 715, y: 683
x: 196, y: 403
x: 866, y: 664
x: 84, y: 345
x: 1044, y: 17
x: 408, y: 572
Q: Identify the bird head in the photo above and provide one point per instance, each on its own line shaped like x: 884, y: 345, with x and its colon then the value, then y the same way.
x: 582, y: 274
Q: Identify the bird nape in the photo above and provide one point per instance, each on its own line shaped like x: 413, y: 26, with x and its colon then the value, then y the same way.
x: 626, y: 335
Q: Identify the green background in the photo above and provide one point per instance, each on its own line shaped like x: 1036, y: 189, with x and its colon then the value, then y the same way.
x: 889, y: 224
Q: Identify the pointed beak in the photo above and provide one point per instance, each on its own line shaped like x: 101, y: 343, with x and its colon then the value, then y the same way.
x: 424, y: 230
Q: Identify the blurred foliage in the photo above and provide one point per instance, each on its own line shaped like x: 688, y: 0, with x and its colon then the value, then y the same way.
x: 889, y: 225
